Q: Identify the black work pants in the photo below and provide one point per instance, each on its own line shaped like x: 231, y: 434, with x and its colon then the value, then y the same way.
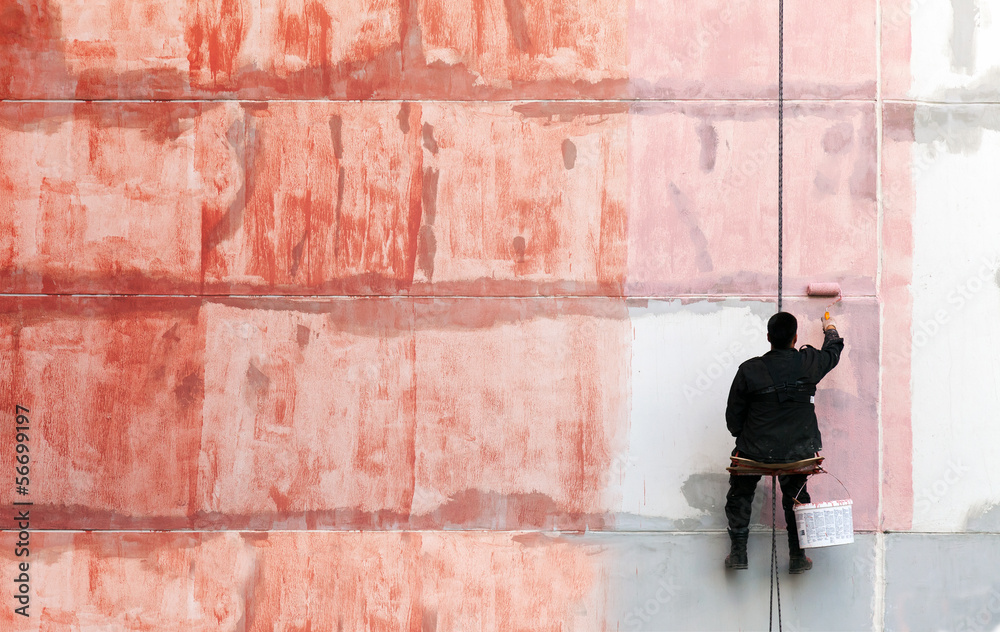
x: 739, y: 500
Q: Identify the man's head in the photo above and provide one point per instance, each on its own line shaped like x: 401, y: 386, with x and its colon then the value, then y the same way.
x: 782, y: 331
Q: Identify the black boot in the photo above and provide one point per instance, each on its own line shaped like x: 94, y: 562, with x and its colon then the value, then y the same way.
x: 737, y: 558
x: 797, y: 560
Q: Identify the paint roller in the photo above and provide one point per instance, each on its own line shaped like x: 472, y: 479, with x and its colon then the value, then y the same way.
x: 825, y: 289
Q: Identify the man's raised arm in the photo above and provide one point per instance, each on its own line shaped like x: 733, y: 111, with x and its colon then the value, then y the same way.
x: 833, y: 345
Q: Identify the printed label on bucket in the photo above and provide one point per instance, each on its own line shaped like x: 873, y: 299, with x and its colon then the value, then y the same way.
x: 824, y: 524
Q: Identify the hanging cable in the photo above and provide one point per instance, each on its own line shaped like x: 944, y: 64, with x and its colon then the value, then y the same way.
x: 781, y: 142
x: 775, y: 578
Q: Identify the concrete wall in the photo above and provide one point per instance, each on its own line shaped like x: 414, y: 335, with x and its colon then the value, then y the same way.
x: 369, y: 315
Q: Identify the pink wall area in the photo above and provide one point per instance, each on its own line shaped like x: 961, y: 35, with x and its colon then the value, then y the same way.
x: 375, y: 315
x: 259, y: 580
x: 696, y: 170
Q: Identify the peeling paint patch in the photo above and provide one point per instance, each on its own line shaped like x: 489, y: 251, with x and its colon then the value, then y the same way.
x: 965, y: 18
x: 959, y: 128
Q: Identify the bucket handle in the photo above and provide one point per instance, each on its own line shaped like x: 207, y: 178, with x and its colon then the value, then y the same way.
x: 820, y: 471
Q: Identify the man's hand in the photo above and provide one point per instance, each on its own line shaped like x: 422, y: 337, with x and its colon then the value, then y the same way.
x: 828, y: 322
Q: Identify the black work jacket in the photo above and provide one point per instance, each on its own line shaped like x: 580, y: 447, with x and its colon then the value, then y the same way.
x: 770, y: 409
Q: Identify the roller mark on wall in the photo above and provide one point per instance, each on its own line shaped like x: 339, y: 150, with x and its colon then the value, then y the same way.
x: 682, y: 205
x: 215, y: 35
x: 863, y: 179
x: 32, y: 53
x: 307, y: 36
x: 489, y: 49
x: 709, y: 145
x: 427, y: 244
x: 404, y: 118
x: 569, y: 153
x: 428, y: 135
x: 314, y: 49
x: 333, y: 202
x: 336, y: 123
x: 220, y: 223
x: 518, y: 25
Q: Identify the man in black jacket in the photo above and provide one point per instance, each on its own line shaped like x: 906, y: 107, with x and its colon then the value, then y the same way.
x: 771, y: 414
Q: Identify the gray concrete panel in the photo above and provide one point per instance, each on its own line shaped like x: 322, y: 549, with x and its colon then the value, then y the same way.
x: 678, y: 582
x: 942, y: 582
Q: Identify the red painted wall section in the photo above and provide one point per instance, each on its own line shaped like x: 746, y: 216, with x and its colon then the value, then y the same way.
x: 524, y: 199
x: 350, y: 581
x: 309, y: 415
x: 108, y: 197
x: 199, y: 48
x: 314, y: 198
x: 310, y: 49
x: 333, y: 201
x: 521, y: 408
x: 116, y: 386
x: 355, y: 413
x: 475, y: 49
x: 554, y: 49
x: 135, y: 581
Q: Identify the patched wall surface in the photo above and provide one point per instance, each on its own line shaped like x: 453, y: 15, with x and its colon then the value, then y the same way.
x: 375, y: 315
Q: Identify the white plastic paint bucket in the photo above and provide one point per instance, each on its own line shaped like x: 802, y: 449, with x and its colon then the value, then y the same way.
x: 824, y: 524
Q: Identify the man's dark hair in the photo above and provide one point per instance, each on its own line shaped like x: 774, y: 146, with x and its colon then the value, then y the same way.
x: 781, y: 329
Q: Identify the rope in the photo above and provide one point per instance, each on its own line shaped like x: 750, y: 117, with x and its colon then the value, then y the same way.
x: 775, y: 578
x: 781, y: 141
